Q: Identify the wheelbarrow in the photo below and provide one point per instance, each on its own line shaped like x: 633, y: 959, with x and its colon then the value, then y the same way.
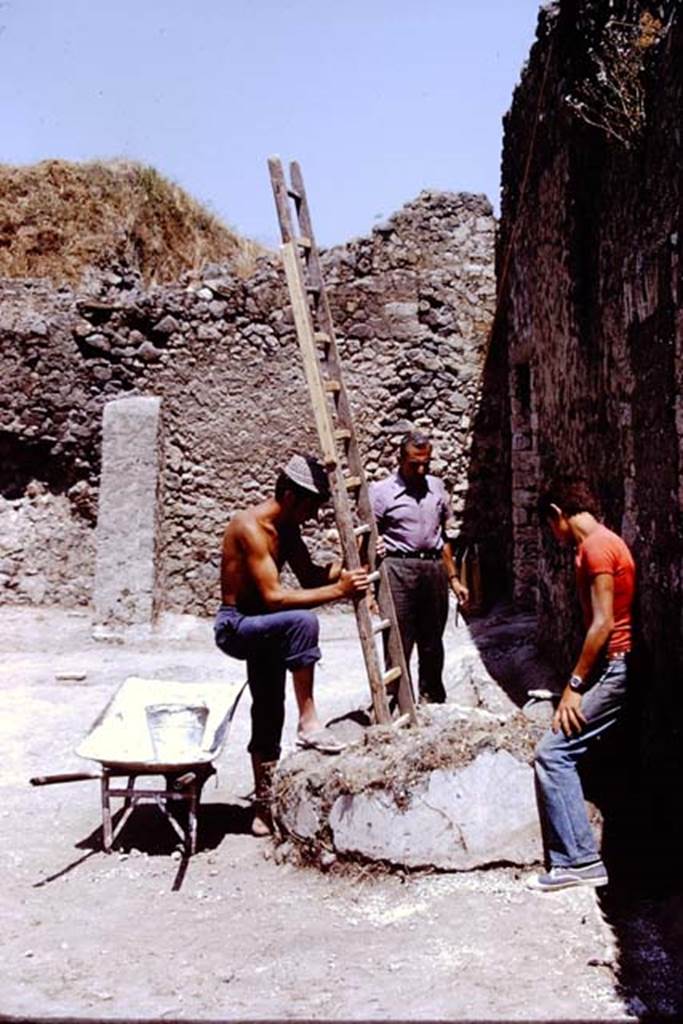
x: 154, y: 727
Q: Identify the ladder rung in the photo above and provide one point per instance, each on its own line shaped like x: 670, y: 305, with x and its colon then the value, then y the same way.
x: 332, y: 386
x: 352, y: 483
x: 373, y: 576
x: 303, y: 242
x: 391, y: 675
x: 381, y: 626
x: 343, y: 434
x: 401, y: 721
x: 292, y: 192
x: 362, y: 529
x: 322, y: 337
x: 313, y: 289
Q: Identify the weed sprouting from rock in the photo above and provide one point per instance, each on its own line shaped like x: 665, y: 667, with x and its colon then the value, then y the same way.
x: 611, y: 94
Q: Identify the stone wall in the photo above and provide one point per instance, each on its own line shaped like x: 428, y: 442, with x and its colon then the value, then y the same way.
x: 46, y: 550
x: 412, y: 305
x: 593, y: 324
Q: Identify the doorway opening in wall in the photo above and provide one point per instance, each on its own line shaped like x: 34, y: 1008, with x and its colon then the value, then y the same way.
x: 23, y: 460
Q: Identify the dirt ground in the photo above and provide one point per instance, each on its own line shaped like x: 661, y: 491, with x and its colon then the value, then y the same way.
x: 94, y: 936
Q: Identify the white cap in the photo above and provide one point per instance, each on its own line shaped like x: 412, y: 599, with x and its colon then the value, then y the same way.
x: 308, y: 473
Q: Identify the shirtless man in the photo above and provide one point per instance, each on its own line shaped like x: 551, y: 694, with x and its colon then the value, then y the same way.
x: 269, y: 625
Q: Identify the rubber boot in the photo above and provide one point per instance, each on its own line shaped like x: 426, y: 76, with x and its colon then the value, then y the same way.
x: 262, y: 823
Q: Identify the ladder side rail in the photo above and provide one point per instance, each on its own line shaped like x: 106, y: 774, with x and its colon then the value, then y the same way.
x: 340, y: 495
x: 306, y: 335
x: 394, y: 645
x: 305, y: 223
x: 314, y: 268
x: 332, y: 361
x: 305, y: 332
x: 349, y: 546
x: 281, y: 195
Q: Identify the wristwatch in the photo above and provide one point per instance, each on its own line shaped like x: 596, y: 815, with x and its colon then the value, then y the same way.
x: 575, y: 683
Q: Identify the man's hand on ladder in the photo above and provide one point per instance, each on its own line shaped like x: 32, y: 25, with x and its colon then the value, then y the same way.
x: 353, y: 582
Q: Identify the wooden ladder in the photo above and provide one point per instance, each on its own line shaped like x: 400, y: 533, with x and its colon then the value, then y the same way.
x: 338, y: 443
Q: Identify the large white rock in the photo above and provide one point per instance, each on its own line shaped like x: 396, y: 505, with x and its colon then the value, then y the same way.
x: 457, y: 819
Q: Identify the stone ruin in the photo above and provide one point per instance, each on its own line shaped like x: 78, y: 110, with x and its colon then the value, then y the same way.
x: 412, y: 304
x: 199, y: 390
x: 590, y: 343
x: 582, y: 371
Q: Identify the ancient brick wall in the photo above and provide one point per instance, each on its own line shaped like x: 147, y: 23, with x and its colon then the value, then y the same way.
x: 593, y: 321
x: 412, y: 304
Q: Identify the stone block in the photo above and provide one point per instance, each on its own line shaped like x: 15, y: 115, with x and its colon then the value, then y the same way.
x: 125, y: 572
x: 482, y: 813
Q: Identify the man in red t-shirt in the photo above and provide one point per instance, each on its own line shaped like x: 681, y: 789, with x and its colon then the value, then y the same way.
x: 594, y: 696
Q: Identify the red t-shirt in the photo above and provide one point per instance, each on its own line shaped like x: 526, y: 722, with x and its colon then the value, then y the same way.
x: 604, y: 551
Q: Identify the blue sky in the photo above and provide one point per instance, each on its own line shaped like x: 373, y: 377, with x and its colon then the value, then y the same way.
x: 377, y: 99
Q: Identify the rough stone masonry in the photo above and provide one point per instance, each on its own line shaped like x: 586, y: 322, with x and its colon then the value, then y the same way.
x: 412, y: 304
x: 592, y: 329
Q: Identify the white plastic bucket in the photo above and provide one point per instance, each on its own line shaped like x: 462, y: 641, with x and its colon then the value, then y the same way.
x: 176, y: 731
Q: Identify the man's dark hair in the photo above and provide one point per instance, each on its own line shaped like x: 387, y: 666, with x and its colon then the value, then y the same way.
x: 571, y: 494
x: 414, y: 439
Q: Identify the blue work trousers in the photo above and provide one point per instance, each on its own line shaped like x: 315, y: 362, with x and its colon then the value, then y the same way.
x: 270, y: 644
x: 567, y: 832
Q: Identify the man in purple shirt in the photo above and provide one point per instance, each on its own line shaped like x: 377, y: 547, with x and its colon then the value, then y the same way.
x: 412, y: 509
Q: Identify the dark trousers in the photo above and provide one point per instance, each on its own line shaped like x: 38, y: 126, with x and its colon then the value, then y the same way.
x: 420, y: 592
x: 270, y: 644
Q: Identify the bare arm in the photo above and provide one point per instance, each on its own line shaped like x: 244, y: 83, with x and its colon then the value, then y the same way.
x: 461, y: 592
x: 264, y: 572
x: 306, y: 571
x: 602, y: 623
x: 569, y: 716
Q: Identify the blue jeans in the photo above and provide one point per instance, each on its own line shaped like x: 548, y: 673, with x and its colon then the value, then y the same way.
x: 270, y: 644
x: 567, y: 833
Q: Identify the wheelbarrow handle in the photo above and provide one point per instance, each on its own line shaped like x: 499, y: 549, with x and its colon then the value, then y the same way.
x: 48, y: 780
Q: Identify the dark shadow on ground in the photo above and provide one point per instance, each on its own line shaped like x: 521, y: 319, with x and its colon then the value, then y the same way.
x: 643, y: 904
x: 147, y: 831
x: 506, y: 643
x: 637, y: 812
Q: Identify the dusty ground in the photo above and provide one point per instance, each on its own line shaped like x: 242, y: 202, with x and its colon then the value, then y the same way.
x: 90, y: 935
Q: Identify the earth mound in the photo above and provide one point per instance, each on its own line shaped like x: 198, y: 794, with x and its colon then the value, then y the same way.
x: 60, y: 219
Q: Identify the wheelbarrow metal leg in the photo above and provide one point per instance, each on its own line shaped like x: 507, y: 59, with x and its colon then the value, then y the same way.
x: 107, y: 833
x: 193, y: 800
x: 128, y: 800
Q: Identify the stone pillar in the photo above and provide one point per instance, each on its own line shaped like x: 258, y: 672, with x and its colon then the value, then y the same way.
x: 125, y: 570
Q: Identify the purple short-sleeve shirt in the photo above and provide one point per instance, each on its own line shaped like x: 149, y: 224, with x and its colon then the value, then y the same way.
x: 410, y: 520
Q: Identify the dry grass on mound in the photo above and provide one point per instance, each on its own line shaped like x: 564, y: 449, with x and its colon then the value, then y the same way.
x: 58, y: 219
